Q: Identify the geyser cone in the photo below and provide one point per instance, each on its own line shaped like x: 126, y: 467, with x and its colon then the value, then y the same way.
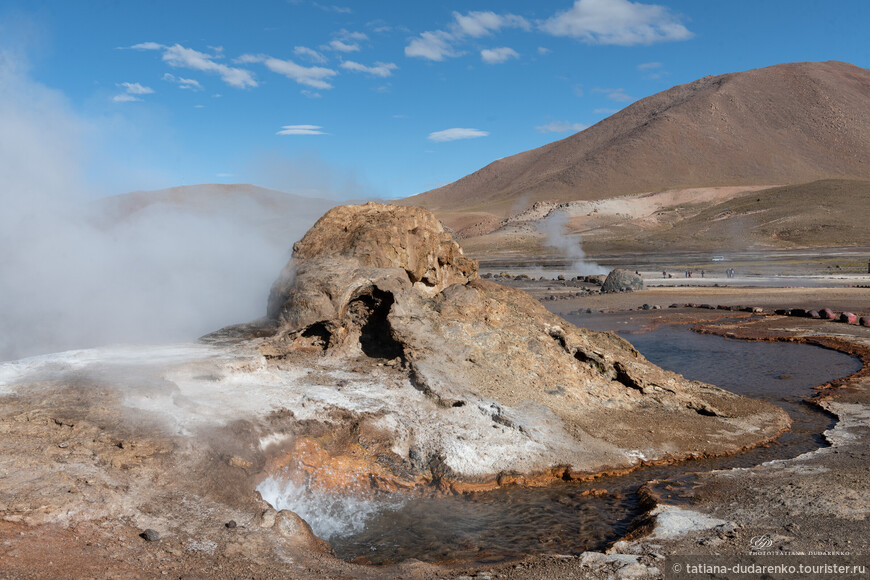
x: 477, y: 383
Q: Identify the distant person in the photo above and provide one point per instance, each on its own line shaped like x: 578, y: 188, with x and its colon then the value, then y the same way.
x: 702, y: 273
x: 665, y: 274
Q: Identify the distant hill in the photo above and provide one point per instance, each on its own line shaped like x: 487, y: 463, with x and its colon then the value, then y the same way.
x: 270, y: 211
x: 780, y: 125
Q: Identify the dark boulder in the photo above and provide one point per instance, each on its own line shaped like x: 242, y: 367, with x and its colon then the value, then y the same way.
x: 622, y: 281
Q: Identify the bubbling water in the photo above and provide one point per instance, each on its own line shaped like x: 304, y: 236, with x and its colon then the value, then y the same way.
x: 331, y: 514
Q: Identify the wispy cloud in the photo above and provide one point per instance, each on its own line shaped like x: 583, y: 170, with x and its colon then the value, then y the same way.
x: 381, y: 69
x: 618, y: 95
x: 310, y: 54
x: 301, y: 130
x: 498, y: 55
x: 477, y: 24
x: 333, y: 8
x: 183, y: 83
x: 136, y: 89
x: 618, y: 22
x: 125, y: 98
x: 346, y: 41
x: 561, y: 127
x: 652, y: 70
x: 131, y: 92
x: 357, y: 36
x: 312, y: 76
x: 179, y: 56
x: 456, y: 133
x: 440, y: 44
x: 341, y: 46
x: 542, y: 50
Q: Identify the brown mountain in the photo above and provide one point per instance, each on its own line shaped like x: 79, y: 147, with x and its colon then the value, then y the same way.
x: 784, y: 124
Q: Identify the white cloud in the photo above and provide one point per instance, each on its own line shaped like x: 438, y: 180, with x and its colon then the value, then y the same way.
x: 345, y: 34
x: 183, y: 83
x: 381, y: 69
x: 619, y: 22
x: 136, y: 89
x: 456, y: 133
x: 561, y: 127
x: 498, y: 55
x: 301, y: 130
x: 578, y: 90
x: 342, y: 46
x: 542, y: 50
x: 313, y: 76
x: 440, y: 44
x: 649, y: 65
x: 477, y: 24
x: 181, y: 57
x: 131, y: 90
x: 310, y: 54
x: 125, y: 98
x: 311, y: 94
x: 147, y: 46
x: 432, y: 46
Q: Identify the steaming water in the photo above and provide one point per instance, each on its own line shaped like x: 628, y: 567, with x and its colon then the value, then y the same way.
x: 56, y: 365
x: 331, y: 515
x: 561, y: 519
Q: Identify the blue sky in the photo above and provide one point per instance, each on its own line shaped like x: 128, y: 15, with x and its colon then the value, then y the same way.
x: 355, y: 99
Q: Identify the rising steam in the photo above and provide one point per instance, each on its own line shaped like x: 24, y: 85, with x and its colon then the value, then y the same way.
x: 555, y: 227
x: 75, y: 272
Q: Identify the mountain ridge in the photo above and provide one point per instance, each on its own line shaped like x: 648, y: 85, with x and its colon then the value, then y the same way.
x: 788, y: 123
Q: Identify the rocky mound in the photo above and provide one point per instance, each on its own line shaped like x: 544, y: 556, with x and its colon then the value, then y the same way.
x: 508, y: 389
x: 620, y: 280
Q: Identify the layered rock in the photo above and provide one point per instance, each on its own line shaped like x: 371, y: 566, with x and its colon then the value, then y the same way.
x: 386, y: 283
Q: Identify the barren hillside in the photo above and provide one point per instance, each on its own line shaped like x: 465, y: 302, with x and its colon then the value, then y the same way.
x: 784, y: 124
x: 826, y: 213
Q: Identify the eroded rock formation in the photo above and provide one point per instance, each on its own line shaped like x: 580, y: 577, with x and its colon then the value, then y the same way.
x: 509, y: 390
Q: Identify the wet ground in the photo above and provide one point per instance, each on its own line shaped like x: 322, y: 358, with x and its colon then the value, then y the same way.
x: 570, y: 518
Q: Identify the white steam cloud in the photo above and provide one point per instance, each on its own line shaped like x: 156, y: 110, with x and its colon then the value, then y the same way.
x: 75, y: 272
x: 570, y: 246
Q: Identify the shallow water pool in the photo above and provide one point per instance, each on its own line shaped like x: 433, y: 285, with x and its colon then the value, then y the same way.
x: 570, y: 518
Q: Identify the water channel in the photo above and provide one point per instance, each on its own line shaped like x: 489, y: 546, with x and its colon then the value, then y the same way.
x: 514, y: 521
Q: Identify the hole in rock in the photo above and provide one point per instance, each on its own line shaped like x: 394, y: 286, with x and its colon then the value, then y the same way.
x: 320, y: 333
x: 369, y: 312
